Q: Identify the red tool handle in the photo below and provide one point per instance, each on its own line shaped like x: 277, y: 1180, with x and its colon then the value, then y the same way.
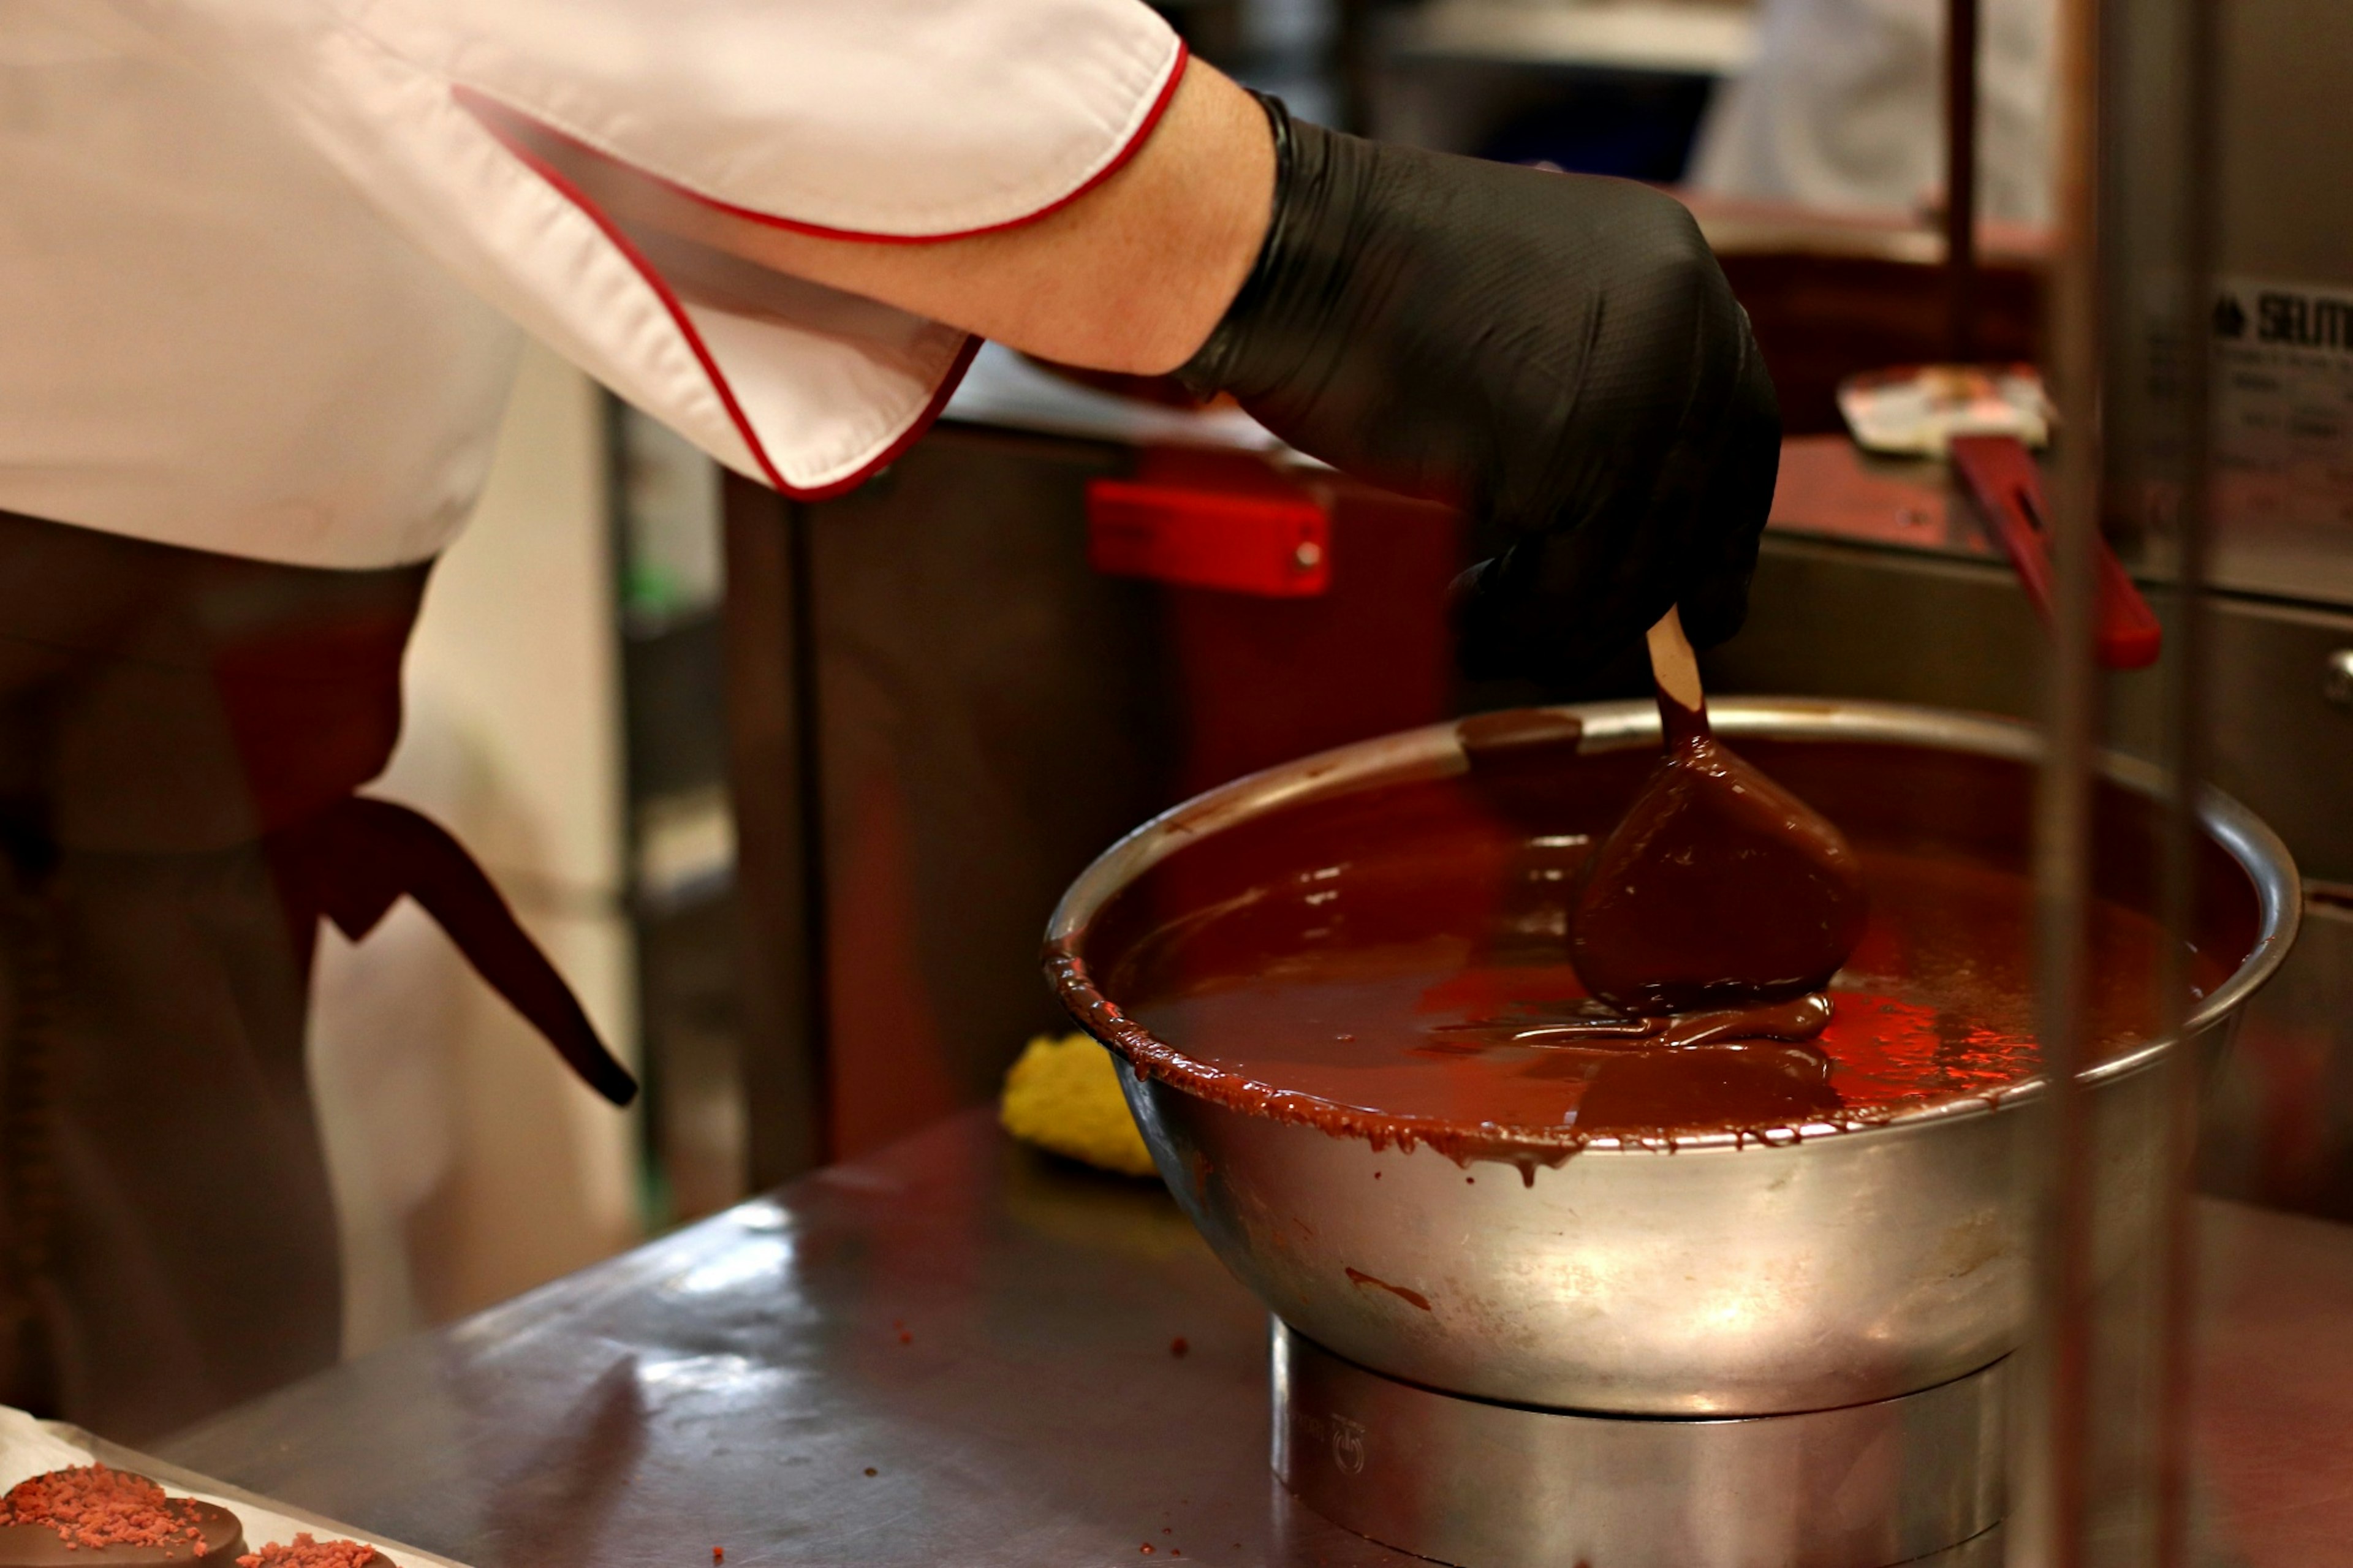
x: 2006, y: 485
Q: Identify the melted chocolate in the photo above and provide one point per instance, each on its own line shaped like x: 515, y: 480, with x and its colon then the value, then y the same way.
x: 1718, y: 887
x: 1390, y: 963
x: 1753, y: 1085
x: 1411, y: 1298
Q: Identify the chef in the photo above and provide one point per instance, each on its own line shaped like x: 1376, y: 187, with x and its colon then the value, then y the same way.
x: 266, y: 268
x: 1844, y: 108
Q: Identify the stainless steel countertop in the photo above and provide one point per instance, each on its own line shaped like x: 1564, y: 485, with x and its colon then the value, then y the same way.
x: 731, y: 1385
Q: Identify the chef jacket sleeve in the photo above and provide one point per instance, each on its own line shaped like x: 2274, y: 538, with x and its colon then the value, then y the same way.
x: 470, y: 124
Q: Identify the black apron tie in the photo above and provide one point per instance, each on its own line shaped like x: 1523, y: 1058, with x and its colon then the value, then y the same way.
x: 352, y: 861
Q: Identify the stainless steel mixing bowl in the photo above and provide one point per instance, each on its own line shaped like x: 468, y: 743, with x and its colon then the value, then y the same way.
x: 1720, y: 1277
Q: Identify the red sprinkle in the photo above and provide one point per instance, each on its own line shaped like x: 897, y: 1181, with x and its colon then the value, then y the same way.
x: 1146, y: 1549
x: 90, y: 1505
x: 1177, y: 1347
x: 719, y: 1554
x: 307, y: 1553
x: 906, y: 1339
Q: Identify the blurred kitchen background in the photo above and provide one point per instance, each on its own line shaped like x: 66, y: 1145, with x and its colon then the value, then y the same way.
x: 788, y: 791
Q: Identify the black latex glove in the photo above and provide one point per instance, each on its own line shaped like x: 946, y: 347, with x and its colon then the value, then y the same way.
x: 1558, y: 351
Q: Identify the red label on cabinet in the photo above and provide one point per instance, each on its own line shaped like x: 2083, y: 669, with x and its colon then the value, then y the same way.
x: 1274, y: 546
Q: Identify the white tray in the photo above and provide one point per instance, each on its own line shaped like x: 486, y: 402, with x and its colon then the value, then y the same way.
x: 28, y: 1447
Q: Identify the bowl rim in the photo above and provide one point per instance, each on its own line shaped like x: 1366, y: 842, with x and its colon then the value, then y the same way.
x: 1436, y: 752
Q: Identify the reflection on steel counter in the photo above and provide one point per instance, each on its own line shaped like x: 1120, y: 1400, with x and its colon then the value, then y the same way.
x: 731, y: 1386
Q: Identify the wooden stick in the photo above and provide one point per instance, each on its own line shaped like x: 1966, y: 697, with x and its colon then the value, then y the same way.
x: 1673, y: 664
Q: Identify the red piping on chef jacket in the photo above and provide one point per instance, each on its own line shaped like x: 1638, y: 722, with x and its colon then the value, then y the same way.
x: 718, y: 378
x: 468, y: 100
x: 469, y: 97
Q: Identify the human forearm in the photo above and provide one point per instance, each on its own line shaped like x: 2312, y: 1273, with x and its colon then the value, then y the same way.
x: 1131, y: 275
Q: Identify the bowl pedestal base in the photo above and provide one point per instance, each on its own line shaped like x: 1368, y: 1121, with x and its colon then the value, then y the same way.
x: 1916, y: 1480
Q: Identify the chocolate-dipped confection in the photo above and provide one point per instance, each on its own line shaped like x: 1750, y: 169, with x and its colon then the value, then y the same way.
x: 1717, y: 887
x: 92, y: 1515
x: 304, y: 1552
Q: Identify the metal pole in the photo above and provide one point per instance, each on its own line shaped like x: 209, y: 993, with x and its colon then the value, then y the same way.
x: 2053, y: 1492
x: 1961, y: 180
x: 773, y: 778
x: 2197, y: 51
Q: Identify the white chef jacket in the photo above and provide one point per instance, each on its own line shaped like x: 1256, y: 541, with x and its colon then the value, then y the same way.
x: 264, y: 260
x: 1844, y: 108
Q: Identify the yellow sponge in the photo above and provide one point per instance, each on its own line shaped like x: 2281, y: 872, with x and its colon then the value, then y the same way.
x: 1063, y: 1096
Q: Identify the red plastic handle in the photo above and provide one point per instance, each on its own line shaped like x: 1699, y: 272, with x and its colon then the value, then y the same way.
x: 2006, y: 485
x: 1241, y: 540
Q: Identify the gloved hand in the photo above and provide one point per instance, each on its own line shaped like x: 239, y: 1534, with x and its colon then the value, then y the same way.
x: 1558, y: 351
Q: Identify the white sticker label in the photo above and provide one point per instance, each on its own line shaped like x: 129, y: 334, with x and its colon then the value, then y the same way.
x: 2283, y: 394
